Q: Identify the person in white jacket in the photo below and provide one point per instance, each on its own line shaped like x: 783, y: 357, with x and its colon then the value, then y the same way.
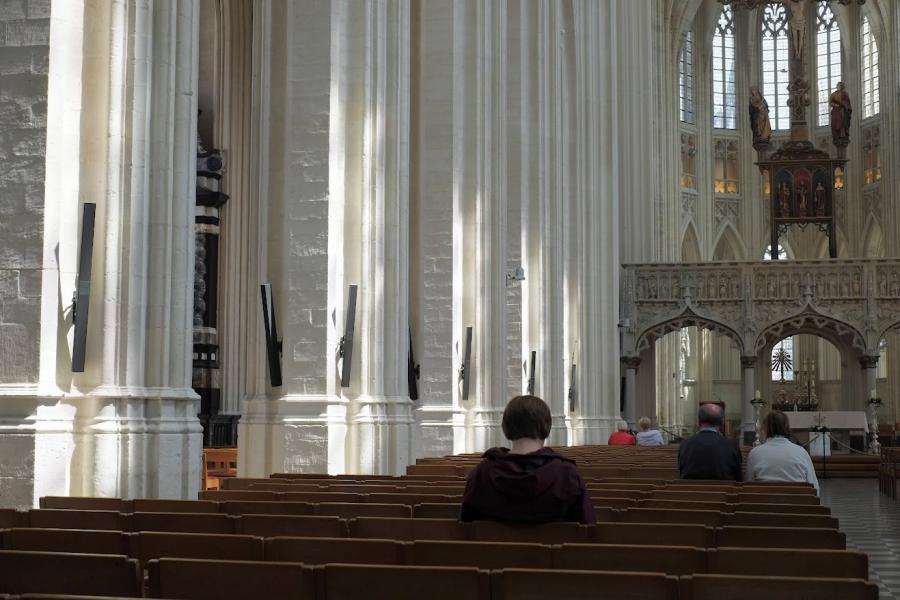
x: 647, y: 436
x: 779, y: 459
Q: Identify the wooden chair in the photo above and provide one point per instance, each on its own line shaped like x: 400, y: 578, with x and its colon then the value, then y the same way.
x: 534, y: 584
x: 218, y: 464
x: 68, y: 573
x: 192, y: 579
x: 735, y: 587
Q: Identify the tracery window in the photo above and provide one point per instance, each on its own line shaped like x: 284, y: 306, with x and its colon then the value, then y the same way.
x: 725, y: 167
x: 871, y: 103
x: 828, y: 59
x: 724, y: 72
x: 775, y: 56
x: 686, y: 78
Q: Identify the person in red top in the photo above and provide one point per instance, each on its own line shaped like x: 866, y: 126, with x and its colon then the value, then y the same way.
x: 621, y: 437
x: 527, y: 483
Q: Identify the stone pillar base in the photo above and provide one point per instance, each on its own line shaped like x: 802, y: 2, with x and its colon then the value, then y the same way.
x: 124, y: 442
x: 325, y: 434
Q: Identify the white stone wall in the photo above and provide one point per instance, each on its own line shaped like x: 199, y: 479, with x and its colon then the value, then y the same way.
x: 24, y: 54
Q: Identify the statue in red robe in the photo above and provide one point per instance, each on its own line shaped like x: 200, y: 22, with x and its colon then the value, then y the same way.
x: 839, y: 101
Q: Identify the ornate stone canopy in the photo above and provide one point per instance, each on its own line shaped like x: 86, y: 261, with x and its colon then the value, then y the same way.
x: 850, y: 302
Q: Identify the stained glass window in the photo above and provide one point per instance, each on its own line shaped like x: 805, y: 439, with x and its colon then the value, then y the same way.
x: 724, y: 72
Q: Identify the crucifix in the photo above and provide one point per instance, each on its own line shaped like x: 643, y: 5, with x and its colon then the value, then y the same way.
x: 801, y: 177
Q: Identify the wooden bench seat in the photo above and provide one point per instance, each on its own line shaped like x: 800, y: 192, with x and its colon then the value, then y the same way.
x: 194, y: 579
x: 183, y: 522
x: 734, y: 587
x: 384, y: 582
x: 68, y: 573
x: 672, y: 560
x: 769, y: 498
x: 654, y: 534
x: 322, y: 550
x: 780, y: 537
x: 261, y: 507
x: 789, y: 562
x: 762, y: 519
x: 66, y: 540
x: 291, y: 525
x: 10, y: 517
x: 407, y: 529
x: 350, y: 510
x: 540, y: 533
x: 85, y: 503
x: 483, y: 555
x: 666, y: 515
x: 534, y: 584
x: 443, y: 510
x: 170, y: 506
x: 51, y: 518
x: 147, y: 546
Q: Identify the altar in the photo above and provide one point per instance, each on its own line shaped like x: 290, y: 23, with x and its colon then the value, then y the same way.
x: 839, y: 422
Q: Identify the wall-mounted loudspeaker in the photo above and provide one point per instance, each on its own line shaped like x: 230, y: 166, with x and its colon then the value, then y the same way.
x: 273, y: 343
x: 81, y: 300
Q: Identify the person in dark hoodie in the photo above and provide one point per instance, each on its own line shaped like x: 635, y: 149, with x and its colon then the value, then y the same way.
x: 527, y: 483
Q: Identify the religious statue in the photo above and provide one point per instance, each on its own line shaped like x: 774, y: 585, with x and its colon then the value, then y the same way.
x: 798, y: 27
x: 759, y: 116
x: 820, y: 200
x: 784, y: 193
x: 802, y: 204
x: 839, y: 101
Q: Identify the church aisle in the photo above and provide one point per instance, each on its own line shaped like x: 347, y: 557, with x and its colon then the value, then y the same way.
x: 872, y: 524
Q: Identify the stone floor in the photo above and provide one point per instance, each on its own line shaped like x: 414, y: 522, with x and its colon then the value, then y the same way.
x: 872, y: 524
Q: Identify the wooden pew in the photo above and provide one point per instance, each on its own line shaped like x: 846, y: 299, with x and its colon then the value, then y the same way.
x: 789, y: 562
x: 349, y: 510
x: 66, y: 540
x: 382, y: 582
x: 735, y: 587
x: 147, y: 546
x: 47, y: 518
x: 64, y: 573
x: 672, y: 560
x: 183, y: 522
x: 539, y: 533
x: 654, y: 534
x: 322, y: 550
x: 407, y: 529
x: 193, y: 579
x: 534, y: 584
x: 482, y: 555
x: 290, y: 525
x: 780, y: 537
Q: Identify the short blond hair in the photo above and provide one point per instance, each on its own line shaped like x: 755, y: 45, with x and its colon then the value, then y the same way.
x: 644, y: 423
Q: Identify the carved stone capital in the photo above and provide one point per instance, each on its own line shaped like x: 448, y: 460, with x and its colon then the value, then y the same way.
x: 631, y: 362
x: 868, y: 362
x: 748, y: 362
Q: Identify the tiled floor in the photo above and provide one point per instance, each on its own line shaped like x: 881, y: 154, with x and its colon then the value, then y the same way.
x: 872, y: 524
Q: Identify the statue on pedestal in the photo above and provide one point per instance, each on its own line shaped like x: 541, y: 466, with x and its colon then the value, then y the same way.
x: 839, y: 101
x: 759, y: 116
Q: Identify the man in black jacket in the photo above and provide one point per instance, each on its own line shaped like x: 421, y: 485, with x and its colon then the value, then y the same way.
x: 708, y: 454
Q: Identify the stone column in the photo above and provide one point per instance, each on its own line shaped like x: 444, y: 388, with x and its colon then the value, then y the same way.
x: 631, y: 364
x: 479, y: 219
x: 869, y: 366
x: 748, y: 391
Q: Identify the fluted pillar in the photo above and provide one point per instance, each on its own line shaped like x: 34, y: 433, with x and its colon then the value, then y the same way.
x: 479, y: 219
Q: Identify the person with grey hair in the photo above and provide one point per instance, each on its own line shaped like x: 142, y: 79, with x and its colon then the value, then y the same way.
x: 708, y: 454
x: 647, y: 436
x: 621, y: 436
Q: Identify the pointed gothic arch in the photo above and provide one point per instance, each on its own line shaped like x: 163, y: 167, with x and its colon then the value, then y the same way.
x: 729, y: 246
x: 690, y: 244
